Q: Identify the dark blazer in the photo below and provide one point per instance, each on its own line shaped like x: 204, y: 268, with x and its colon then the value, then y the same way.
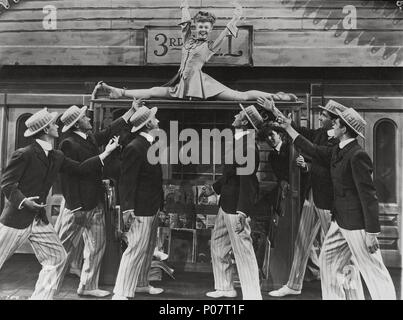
x: 85, y: 191
x: 319, y: 172
x: 140, y: 183
x: 355, y: 200
x: 238, y: 192
x: 30, y: 173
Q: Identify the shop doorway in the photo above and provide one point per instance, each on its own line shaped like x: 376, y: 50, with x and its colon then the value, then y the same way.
x: 205, y: 115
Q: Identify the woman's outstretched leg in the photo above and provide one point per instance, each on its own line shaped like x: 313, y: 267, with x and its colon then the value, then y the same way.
x: 232, y: 95
x: 154, y: 92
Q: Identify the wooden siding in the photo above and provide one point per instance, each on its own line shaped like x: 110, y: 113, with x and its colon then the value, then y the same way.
x: 287, y: 32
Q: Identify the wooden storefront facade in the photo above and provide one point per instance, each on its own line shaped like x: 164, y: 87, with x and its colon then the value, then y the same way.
x: 349, y: 51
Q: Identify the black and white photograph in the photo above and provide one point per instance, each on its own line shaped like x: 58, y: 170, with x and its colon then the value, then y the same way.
x: 202, y: 150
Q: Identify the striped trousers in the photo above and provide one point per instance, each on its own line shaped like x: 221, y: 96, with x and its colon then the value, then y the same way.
x: 90, y: 226
x: 312, y: 219
x: 223, y: 239
x: 76, y: 258
x: 339, y: 247
x: 136, y: 260
x: 47, y: 248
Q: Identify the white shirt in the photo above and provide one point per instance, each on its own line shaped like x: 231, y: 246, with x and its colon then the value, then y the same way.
x: 81, y: 134
x: 278, y: 147
x: 46, y: 146
x: 148, y: 136
x: 342, y: 144
x: 330, y: 133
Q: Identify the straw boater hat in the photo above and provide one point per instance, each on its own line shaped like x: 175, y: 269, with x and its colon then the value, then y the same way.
x: 141, y: 117
x: 71, y: 116
x: 253, y: 116
x: 39, y: 121
x: 332, y: 107
x: 353, y: 120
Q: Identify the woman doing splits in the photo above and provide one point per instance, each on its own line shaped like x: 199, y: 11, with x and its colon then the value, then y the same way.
x: 190, y: 82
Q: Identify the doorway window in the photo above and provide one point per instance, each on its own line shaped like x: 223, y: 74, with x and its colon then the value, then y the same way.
x: 385, y: 160
x: 20, y: 140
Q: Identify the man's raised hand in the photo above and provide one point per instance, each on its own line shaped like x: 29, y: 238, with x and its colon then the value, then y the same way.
x: 112, y: 144
x: 30, y: 204
x: 283, y: 121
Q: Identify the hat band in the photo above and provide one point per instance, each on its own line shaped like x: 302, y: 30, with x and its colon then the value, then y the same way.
x: 73, y: 117
x: 39, y: 124
x: 137, y: 122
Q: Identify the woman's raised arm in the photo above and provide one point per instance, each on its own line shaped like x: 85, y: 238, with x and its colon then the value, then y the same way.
x: 231, y: 28
x: 186, y: 20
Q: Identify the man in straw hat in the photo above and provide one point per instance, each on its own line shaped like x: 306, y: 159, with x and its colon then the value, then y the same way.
x: 315, y: 215
x: 26, y: 182
x: 85, y: 193
x: 141, y: 198
x: 238, y: 194
x: 355, y: 214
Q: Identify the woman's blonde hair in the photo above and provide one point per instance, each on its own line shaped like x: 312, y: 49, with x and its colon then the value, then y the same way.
x: 204, y: 16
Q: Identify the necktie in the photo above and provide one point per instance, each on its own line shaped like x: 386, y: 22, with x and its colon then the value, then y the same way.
x: 50, y: 155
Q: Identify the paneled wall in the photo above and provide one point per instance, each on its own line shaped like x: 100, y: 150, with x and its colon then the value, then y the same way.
x: 287, y: 32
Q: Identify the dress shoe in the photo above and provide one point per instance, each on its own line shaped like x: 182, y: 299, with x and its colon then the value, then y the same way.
x: 312, y: 277
x: 160, y: 255
x: 98, y: 293
x: 118, y: 297
x: 222, y: 294
x: 149, y: 290
x: 284, y: 291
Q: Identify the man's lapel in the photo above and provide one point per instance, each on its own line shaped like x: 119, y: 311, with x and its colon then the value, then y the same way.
x: 91, y: 140
x: 52, y: 163
x: 86, y: 143
x: 339, y: 154
x: 40, y: 153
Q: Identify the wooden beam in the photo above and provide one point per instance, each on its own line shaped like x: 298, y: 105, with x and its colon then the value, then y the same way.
x: 67, y: 55
x: 198, y: 4
x: 344, y: 56
x: 363, y: 89
x: 383, y: 104
x: 73, y: 38
x: 35, y: 99
x: 297, y: 38
x: 175, y: 13
x: 185, y: 104
x: 310, y: 3
x: 262, y: 23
